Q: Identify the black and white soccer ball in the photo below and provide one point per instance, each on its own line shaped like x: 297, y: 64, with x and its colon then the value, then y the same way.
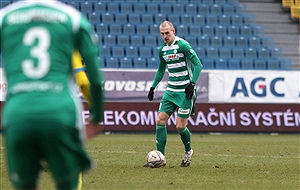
x: 155, y: 159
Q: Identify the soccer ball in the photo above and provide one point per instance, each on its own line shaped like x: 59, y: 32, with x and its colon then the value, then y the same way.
x: 155, y: 159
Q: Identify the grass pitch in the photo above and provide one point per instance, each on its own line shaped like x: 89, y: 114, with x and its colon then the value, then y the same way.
x: 219, y: 162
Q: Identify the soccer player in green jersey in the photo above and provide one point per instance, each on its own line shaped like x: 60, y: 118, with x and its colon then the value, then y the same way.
x: 42, y: 117
x: 184, y: 68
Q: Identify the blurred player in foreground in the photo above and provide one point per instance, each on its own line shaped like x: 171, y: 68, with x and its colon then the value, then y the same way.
x: 42, y: 116
x: 184, y: 69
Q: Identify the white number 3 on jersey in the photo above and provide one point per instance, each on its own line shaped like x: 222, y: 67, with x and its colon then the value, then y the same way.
x: 39, y: 51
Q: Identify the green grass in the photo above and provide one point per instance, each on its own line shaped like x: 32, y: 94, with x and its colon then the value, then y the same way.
x: 219, y: 162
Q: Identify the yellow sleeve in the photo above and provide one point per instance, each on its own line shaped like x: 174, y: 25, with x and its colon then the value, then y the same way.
x: 80, y: 76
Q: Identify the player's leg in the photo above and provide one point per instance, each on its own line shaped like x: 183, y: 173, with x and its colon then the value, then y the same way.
x: 22, y: 156
x: 161, y: 132
x: 65, y: 154
x: 184, y: 112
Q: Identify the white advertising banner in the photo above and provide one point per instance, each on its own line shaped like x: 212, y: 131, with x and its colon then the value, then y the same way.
x: 254, y: 86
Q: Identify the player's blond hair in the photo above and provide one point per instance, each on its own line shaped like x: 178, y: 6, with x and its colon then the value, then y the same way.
x: 166, y: 24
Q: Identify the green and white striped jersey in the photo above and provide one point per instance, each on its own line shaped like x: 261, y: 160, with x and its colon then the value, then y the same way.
x: 182, y: 63
x: 38, y: 39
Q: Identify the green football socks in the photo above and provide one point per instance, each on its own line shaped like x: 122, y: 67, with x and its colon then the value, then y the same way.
x: 185, y: 136
x: 161, y: 138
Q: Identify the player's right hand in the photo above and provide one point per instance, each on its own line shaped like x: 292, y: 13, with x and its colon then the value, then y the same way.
x: 151, y: 94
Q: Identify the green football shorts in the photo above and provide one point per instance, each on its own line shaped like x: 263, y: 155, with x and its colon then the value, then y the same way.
x: 27, y: 144
x: 173, y: 100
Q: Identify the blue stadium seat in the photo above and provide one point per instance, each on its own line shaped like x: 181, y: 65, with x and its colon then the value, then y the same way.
x: 233, y: 31
x: 155, y: 51
x: 145, y: 51
x: 100, y: 7
x: 191, y: 9
x: 165, y: 8
x: 102, y: 28
x: 115, y: 29
x: 126, y: 7
x: 238, y: 53
x: 285, y: 64
x: 125, y: 62
x: 254, y: 42
x: 195, y: 30
x: 112, y: 62
x: 251, y: 53
x: 211, y: 20
x: 131, y: 51
x: 134, y: 18
x: 203, y: 41
x: 139, y: 8
x: 258, y: 30
x: 142, y: 29
x: 247, y: 64
x: 107, y: 18
x: 182, y: 30
x: 260, y: 64
x: 152, y: 8
x: 249, y: 19
x: 152, y: 63
x: 224, y: 20
x: 216, y: 42
x: 228, y: 9
x: 186, y: 19
x: 216, y: 9
x: 237, y: 20
x: 229, y: 42
x: 212, y: 53
x: 159, y: 18
x: 86, y: 7
x: 139, y: 62
x: 203, y: 9
x: 123, y: 40
x: 263, y: 53
x: 94, y: 18
x: 273, y: 64
x: 150, y: 40
x: 234, y: 64
x: 117, y: 51
x: 192, y: 40
x: 207, y: 30
x: 137, y: 40
x: 174, y: 18
x: 178, y: 9
x: 208, y: 63
x: 147, y: 18
x: 121, y: 18
x: 245, y: 31
x: 154, y: 29
x: 225, y: 53
x: 113, y: 7
x: 129, y: 29
x: 242, y: 42
x: 200, y: 52
x: 275, y: 53
x: 221, y: 64
x: 109, y: 40
x: 101, y: 62
x: 198, y: 20
x: 267, y: 41
x: 105, y: 51
x: 220, y: 31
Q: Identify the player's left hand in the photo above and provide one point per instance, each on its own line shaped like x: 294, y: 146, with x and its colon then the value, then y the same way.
x: 189, y: 91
